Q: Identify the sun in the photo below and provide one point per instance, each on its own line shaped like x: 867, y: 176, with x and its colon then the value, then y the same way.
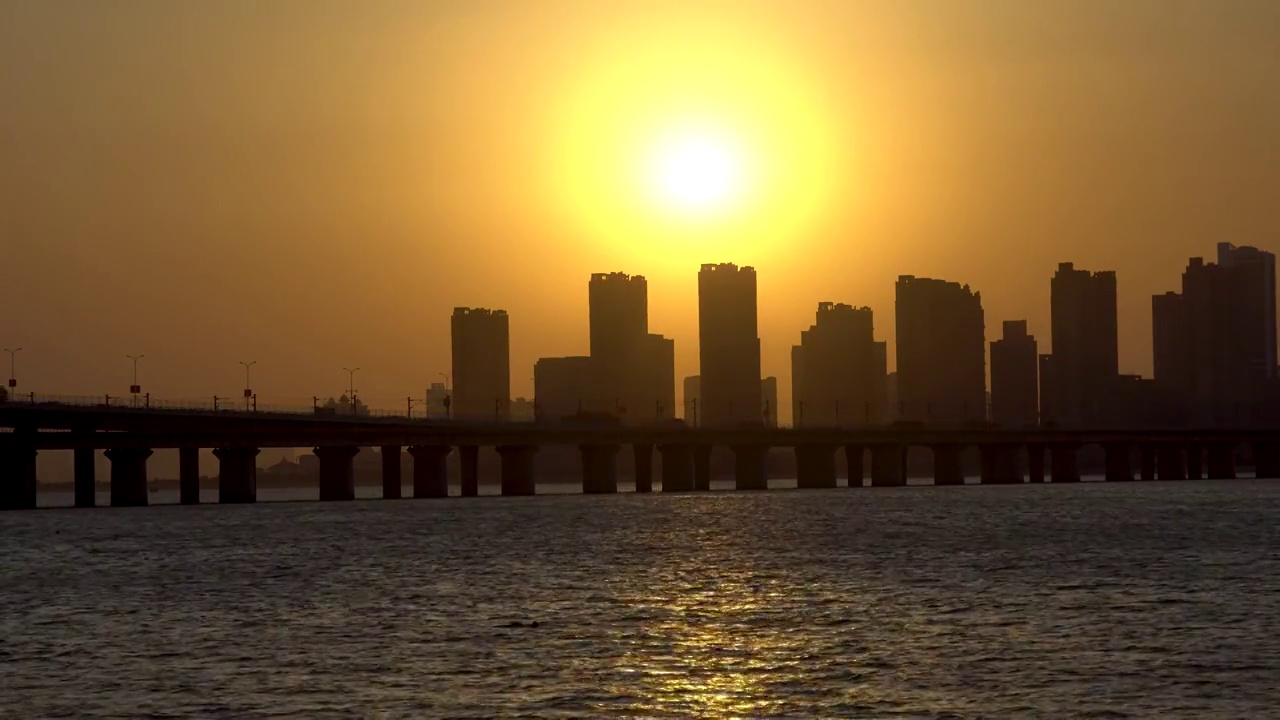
x: 696, y: 172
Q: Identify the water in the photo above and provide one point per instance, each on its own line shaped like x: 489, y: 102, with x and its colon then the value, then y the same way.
x: 1154, y: 600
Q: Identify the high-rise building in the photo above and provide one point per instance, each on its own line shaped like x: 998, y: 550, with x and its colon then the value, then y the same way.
x: 1215, y: 343
x: 728, y: 346
x: 1014, y: 370
x: 563, y: 387
x: 1253, y: 307
x: 942, y: 367
x: 1086, y: 346
x: 838, y: 371
x: 692, y: 397
x: 619, y: 324
x: 634, y: 369
x: 481, y: 364
x: 769, y: 406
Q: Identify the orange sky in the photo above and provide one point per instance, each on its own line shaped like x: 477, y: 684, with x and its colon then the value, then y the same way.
x: 315, y: 184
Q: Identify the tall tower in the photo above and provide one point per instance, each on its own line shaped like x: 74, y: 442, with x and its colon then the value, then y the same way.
x: 728, y: 346
x: 1216, y: 341
x: 942, y: 367
x: 1252, y: 307
x: 634, y: 370
x: 619, y: 309
x: 481, y: 364
x: 1086, y: 344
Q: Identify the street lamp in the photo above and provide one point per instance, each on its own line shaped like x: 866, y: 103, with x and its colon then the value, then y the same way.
x: 351, y: 387
x: 248, y: 391
x: 13, y: 377
x: 448, y: 414
x: 135, y: 388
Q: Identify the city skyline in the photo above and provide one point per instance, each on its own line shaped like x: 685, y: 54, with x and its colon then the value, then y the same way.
x: 632, y: 373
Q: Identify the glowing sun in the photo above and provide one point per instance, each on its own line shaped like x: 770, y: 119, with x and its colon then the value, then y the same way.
x: 697, y: 172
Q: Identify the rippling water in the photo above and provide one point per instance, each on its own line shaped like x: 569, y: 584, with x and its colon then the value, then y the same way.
x: 1151, y: 600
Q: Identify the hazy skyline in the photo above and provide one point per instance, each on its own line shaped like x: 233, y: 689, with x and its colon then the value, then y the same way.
x: 315, y: 185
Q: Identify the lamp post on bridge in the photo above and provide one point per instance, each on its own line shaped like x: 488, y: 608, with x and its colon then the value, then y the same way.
x: 448, y: 415
x: 351, y: 388
x: 248, y: 391
x: 135, y: 388
x: 13, y: 376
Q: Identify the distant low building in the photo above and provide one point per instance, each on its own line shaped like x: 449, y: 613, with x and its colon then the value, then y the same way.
x: 692, y: 396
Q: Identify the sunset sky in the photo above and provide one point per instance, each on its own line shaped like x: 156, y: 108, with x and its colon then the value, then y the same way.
x: 315, y: 184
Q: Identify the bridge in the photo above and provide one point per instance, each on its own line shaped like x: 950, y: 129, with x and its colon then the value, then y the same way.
x: 1008, y: 455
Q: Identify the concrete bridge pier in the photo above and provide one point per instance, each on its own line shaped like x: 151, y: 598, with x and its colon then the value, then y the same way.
x: 469, y: 459
x: 748, y: 467
x: 1035, y: 463
x: 1266, y: 459
x: 947, y: 469
x: 888, y: 465
x: 643, y: 467
x: 1119, y: 463
x: 337, y: 472
x: 430, y: 470
x: 677, y: 468
x: 1000, y: 464
x: 390, y: 455
x: 189, y: 475
x: 1170, y: 464
x: 1222, y: 461
x: 238, y: 475
x: 702, y: 467
x: 1195, y: 461
x: 1147, y: 461
x: 815, y: 466
x: 517, y: 469
x: 128, y: 476
x: 1063, y: 467
x: 85, y: 477
x: 853, y: 464
x: 599, y: 469
x: 18, y: 478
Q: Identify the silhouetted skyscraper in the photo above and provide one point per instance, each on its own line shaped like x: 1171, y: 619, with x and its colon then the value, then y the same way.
x: 838, y: 374
x: 634, y: 370
x: 1215, y: 343
x: 1252, y: 308
x: 942, y: 367
x: 1014, y: 369
x: 1086, y: 345
x: 563, y: 386
x: 481, y: 364
x: 619, y: 312
x: 728, y: 346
